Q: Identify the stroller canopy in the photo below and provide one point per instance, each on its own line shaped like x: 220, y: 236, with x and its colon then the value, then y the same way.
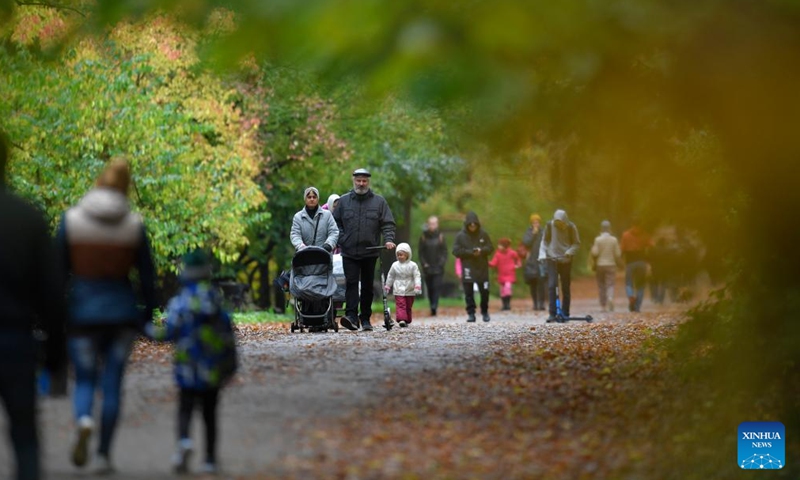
x: 312, y: 274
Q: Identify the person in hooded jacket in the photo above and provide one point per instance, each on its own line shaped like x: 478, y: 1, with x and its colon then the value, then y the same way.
x: 560, y: 243
x: 102, y: 243
x: 474, y: 247
x: 31, y: 295
x: 362, y: 217
x: 433, y: 256
x: 406, y: 282
x: 313, y: 226
x: 635, y: 244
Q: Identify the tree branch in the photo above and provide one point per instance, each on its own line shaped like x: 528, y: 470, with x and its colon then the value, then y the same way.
x: 51, y: 5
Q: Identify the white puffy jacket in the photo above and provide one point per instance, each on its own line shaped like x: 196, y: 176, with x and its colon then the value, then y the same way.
x: 404, y: 277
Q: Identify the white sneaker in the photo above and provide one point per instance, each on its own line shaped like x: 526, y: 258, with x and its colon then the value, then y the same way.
x: 102, y: 465
x: 402, y: 323
x: 80, y: 451
x: 180, y: 459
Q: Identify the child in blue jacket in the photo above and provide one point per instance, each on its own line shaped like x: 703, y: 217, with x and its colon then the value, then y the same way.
x: 205, y: 354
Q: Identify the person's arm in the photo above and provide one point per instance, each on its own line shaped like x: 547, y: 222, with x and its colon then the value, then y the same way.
x: 527, y: 238
x: 147, y: 276
x: 333, y: 232
x: 169, y: 331
x: 295, y: 235
x: 417, y: 279
x: 576, y: 242
x: 596, y: 248
x: 441, y: 252
x: 50, y: 304
x: 487, y: 248
x: 543, y: 243
x: 493, y: 261
x: 617, y: 252
x: 423, y: 258
x: 517, y: 259
x: 460, y: 249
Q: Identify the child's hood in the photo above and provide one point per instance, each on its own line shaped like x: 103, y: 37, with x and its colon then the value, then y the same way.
x: 404, y: 247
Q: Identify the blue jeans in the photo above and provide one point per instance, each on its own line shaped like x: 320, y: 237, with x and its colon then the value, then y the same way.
x: 18, y: 393
x: 635, y: 276
x: 100, y: 357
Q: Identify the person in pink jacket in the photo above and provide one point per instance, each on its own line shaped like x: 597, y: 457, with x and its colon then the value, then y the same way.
x: 506, y: 261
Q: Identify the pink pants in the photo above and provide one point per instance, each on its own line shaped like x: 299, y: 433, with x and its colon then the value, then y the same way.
x: 506, y: 289
x: 403, y: 305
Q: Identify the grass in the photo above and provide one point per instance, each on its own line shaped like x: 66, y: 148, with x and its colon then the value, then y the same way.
x: 266, y: 316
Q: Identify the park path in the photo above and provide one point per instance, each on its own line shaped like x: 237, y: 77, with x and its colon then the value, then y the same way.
x: 286, y: 383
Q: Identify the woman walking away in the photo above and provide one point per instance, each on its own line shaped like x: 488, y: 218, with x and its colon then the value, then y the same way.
x: 205, y: 355
x: 102, y: 243
x: 506, y: 261
x: 406, y: 282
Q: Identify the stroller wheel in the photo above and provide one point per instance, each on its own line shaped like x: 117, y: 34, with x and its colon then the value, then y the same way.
x: 589, y: 319
x: 293, y: 328
x: 335, y: 325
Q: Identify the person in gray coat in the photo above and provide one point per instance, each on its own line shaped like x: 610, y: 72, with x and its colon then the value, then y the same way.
x: 362, y: 217
x: 313, y: 226
x: 559, y: 245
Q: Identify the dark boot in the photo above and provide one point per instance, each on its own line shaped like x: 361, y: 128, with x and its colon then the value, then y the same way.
x: 506, y: 303
x: 471, y: 317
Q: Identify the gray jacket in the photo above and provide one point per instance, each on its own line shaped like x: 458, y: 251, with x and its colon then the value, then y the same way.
x: 362, y: 219
x: 303, y: 227
x: 558, y: 244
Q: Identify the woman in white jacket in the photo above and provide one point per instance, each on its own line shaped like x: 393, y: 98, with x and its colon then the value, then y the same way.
x: 405, y: 279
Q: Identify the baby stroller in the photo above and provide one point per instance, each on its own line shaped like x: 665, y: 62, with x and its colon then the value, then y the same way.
x: 312, y: 284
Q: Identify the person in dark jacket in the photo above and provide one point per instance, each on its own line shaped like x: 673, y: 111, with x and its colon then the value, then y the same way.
x: 560, y: 243
x: 31, y: 293
x: 102, y: 242
x: 432, y: 253
x: 474, y: 247
x: 362, y: 217
x: 534, y: 271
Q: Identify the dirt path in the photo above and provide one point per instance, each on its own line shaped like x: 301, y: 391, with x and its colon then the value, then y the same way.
x: 287, y: 382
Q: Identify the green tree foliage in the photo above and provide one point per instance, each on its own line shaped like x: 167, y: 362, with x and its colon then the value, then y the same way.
x: 137, y: 92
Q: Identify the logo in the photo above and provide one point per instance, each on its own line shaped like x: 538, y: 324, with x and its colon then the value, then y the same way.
x: 762, y: 445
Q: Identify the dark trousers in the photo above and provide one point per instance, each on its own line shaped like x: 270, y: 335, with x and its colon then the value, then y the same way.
x: 434, y: 285
x: 359, y: 270
x: 469, y: 296
x: 207, y: 400
x: 536, y: 287
x: 556, y: 270
x: 18, y: 393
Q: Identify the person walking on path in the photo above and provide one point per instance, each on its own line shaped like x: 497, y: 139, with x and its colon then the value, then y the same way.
x: 560, y: 243
x: 473, y: 246
x: 313, y: 226
x: 433, y: 256
x: 535, y: 272
x: 506, y: 261
x: 405, y: 281
x: 102, y: 242
x: 31, y: 294
x: 362, y: 217
x: 205, y: 355
x: 606, y: 255
x: 634, y: 245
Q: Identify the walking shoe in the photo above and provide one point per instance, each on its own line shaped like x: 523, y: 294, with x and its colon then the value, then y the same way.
x: 433, y: 312
x: 471, y: 317
x: 631, y: 304
x: 552, y: 319
x: 349, y: 323
x: 402, y: 323
x: 80, y: 451
x: 210, y: 468
x: 366, y: 326
x: 611, y: 305
x: 102, y: 465
x: 486, y: 317
x: 180, y: 459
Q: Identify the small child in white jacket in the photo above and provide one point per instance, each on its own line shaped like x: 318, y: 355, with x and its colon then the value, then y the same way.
x: 404, y: 278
